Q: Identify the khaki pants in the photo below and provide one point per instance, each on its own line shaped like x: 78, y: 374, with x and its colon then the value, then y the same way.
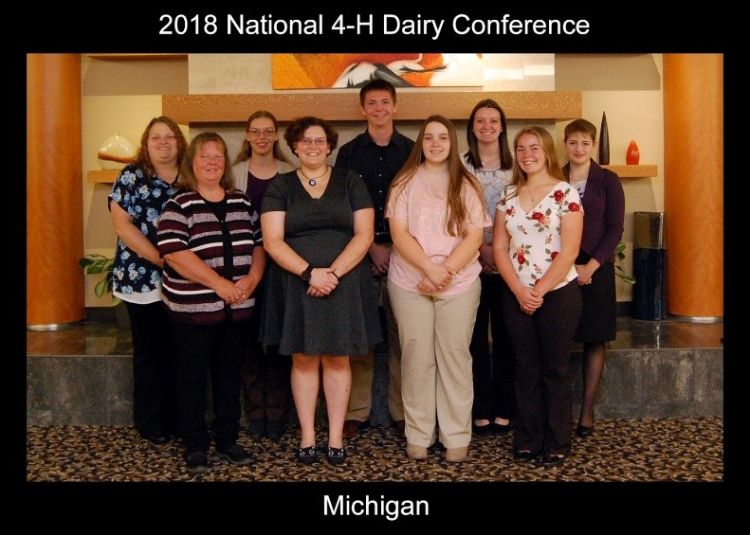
x: 436, y: 379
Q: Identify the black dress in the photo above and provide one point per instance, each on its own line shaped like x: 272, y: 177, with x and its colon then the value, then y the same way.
x: 346, y: 321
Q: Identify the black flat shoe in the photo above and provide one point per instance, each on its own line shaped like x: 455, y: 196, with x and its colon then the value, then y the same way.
x: 501, y: 430
x: 336, y: 455
x: 482, y: 430
x: 583, y: 431
x: 307, y: 455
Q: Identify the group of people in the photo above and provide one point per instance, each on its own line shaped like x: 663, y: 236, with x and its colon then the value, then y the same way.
x: 272, y: 278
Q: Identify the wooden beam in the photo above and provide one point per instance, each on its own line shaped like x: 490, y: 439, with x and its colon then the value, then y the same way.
x: 634, y: 171
x: 342, y: 105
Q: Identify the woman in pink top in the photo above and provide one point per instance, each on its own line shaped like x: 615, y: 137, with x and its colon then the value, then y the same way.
x: 538, y: 225
x: 436, y: 218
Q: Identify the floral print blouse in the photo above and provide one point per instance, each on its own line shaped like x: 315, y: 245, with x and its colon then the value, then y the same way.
x: 135, y: 279
x: 535, y: 235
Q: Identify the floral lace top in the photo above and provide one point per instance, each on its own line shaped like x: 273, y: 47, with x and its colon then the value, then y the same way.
x: 535, y: 235
x: 135, y: 279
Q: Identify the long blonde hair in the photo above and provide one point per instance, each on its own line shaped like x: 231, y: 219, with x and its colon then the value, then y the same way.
x: 456, y: 216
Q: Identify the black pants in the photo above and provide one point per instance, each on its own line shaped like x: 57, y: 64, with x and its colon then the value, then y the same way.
x: 154, y: 396
x: 220, y: 348
x: 266, y: 375
x: 541, y: 344
x: 493, y: 370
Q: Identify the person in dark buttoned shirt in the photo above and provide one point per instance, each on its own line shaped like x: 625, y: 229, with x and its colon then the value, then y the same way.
x: 604, y: 204
x: 377, y: 155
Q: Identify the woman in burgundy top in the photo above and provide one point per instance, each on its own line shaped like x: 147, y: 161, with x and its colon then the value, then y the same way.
x: 604, y: 205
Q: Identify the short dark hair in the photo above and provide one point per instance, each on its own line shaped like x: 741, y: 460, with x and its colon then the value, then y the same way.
x: 295, y: 131
x: 376, y: 84
x: 580, y: 125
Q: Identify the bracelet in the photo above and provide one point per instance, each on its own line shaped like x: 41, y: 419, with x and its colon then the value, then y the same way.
x: 307, y: 273
x: 334, y: 274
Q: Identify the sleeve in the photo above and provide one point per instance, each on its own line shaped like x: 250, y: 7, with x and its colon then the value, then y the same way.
x: 398, y: 205
x: 173, y: 233
x: 571, y: 200
x: 255, y: 225
x: 475, y: 209
x: 359, y: 197
x: 124, y: 188
x: 276, y: 198
x: 614, y: 219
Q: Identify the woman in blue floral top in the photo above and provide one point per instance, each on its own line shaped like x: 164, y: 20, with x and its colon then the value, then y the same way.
x: 537, y: 234
x: 136, y: 202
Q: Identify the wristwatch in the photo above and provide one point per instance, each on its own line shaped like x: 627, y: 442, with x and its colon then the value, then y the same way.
x: 305, y: 275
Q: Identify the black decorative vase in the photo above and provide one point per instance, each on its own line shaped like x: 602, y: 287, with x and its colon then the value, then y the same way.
x: 604, y: 141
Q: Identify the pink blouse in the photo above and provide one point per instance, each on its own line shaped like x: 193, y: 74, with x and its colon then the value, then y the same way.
x: 422, y: 203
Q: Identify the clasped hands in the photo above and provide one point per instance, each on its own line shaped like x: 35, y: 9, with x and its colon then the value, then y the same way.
x: 437, y: 278
x: 322, y: 282
x: 529, y: 299
x: 239, y: 291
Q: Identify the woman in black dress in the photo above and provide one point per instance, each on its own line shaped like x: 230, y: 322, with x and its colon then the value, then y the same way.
x: 318, y: 223
x: 604, y: 204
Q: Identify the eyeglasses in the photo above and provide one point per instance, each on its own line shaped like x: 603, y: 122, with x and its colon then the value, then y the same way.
x: 257, y: 132
x: 214, y: 158
x: 319, y: 141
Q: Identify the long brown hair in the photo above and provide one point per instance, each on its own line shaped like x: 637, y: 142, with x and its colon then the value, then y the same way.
x: 188, y: 181
x: 247, y: 150
x: 457, y: 175
x: 143, y: 160
x: 548, y: 148
x: 472, y: 155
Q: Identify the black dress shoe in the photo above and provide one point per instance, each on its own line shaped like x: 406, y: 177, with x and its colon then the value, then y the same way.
x: 481, y: 430
x: 336, y: 455
x: 583, y: 431
x: 307, y: 455
x: 501, y: 430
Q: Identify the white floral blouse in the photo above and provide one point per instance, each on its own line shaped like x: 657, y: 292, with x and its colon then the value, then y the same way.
x: 535, y: 235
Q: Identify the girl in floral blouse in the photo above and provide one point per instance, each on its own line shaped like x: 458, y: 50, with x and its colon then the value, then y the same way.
x: 537, y: 234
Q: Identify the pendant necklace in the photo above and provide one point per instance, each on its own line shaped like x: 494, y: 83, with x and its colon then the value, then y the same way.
x: 313, y: 181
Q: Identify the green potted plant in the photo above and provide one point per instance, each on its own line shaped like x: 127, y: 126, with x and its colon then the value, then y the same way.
x: 619, y: 257
x: 94, y: 264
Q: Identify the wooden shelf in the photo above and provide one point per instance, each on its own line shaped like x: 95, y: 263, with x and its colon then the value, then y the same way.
x: 132, y: 57
x: 343, y: 105
x: 634, y: 171
x: 103, y: 176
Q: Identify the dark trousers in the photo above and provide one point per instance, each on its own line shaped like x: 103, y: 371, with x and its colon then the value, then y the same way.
x: 541, y: 344
x: 493, y: 370
x: 220, y: 348
x: 265, y: 375
x: 154, y: 396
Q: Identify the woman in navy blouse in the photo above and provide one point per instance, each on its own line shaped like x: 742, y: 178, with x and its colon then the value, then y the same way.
x: 136, y: 202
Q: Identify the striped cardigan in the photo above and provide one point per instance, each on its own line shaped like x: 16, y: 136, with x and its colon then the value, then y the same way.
x: 189, y: 223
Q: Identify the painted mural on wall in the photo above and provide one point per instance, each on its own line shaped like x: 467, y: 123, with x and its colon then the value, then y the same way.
x: 324, y: 71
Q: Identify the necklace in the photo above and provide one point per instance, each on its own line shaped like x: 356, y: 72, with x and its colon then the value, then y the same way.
x: 313, y: 181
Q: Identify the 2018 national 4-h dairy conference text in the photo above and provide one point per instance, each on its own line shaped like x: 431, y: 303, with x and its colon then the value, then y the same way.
x: 366, y: 24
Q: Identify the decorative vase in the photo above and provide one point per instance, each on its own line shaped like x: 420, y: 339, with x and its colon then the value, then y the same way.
x: 633, y: 155
x: 603, y: 141
x: 115, y: 152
